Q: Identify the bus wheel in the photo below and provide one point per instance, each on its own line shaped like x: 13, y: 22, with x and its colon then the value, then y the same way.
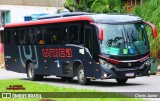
x: 121, y: 81
x: 31, y: 73
x: 67, y: 78
x: 81, y: 77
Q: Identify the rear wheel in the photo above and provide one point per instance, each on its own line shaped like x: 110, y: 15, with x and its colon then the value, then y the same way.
x: 81, y: 77
x: 31, y: 73
x: 121, y: 81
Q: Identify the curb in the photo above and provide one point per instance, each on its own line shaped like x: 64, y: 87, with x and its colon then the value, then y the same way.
x: 2, y: 66
x: 158, y: 69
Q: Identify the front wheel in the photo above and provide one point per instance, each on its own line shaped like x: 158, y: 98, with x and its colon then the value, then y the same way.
x: 31, y: 73
x: 121, y: 81
x: 81, y: 77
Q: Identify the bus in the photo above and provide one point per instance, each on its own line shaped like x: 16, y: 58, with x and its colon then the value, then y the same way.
x: 83, y: 45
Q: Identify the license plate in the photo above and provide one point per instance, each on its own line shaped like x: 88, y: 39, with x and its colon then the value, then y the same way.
x: 129, y: 74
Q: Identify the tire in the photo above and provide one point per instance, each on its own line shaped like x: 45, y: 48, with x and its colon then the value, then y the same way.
x: 31, y: 73
x: 67, y: 78
x: 81, y: 77
x: 121, y: 81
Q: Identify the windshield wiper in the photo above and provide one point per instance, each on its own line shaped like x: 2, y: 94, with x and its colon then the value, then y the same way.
x: 133, y: 42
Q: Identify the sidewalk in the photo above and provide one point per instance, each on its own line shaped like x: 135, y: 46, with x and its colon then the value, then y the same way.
x: 2, y: 60
x: 2, y: 66
x: 158, y: 68
x: 158, y: 71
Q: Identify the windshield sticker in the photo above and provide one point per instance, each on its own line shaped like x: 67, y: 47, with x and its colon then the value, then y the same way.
x: 112, y: 50
x: 131, y: 51
x: 125, y: 51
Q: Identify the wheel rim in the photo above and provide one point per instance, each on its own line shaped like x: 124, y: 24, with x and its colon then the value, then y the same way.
x: 81, y: 75
x: 30, y: 70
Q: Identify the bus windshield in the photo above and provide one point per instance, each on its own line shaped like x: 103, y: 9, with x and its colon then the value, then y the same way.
x: 124, y: 39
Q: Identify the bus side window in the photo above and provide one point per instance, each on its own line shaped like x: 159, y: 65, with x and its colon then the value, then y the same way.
x: 26, y: 35
x: 74, y: 36
x: 21, y: 35
x: 52, y: 34
x: 63, y: 35
x: 12, y: 37
x: 53, y: 38
x: 31, y: 35
x: 42, y: 35
x: 15, y: 37
x: 35, y: 36
x: 8, y: 37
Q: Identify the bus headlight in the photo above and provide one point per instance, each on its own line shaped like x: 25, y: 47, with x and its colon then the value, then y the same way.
x: 105, y: 64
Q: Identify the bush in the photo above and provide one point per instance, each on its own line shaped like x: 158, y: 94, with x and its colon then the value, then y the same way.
x: 150, y: 11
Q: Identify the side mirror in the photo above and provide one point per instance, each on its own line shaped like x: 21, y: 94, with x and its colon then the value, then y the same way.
x: 101, y: 34
x: 100, y: 31
x: 154, y: 31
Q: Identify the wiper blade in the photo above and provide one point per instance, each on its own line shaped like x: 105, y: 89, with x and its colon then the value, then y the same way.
x: 133, y: 42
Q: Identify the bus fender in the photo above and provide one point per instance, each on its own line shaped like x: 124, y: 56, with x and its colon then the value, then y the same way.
x: 27, y: 63
x: 76, y: 63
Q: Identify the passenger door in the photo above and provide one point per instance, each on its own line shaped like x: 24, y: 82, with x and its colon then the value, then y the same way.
x: 89, y: 51
x: 92, y: 51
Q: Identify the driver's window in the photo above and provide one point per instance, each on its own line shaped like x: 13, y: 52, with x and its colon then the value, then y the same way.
x: 140, y: 32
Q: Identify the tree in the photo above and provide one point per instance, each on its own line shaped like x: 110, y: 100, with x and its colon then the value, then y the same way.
x: 97, y: 6
x: 78, y: 5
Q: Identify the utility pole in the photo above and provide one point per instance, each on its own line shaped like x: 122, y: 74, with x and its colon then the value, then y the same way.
x: 57, y: 6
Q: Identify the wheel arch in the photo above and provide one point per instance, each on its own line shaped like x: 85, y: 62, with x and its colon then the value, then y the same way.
x: 76, y: 63
x: 27, y: 63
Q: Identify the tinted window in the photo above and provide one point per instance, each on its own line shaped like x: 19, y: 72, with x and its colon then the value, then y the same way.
x: 52, y: 35
x: 74, y: 36
x: 23, y: 37
x: 72, y: 33
x: 64, y: 35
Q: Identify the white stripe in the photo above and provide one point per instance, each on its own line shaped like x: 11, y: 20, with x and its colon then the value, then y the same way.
x: 74, y: 45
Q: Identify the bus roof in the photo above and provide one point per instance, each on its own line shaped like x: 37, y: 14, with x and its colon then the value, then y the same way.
x: 115, y: 18
x: 97, y: 18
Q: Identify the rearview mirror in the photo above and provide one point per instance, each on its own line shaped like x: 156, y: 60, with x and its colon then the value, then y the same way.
x: 101, y: 34
x: 154, y: 31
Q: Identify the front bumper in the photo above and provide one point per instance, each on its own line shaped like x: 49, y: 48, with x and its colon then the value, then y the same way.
x: 123, y: 73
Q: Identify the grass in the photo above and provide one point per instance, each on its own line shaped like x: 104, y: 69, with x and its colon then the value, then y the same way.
x: 36, y: 87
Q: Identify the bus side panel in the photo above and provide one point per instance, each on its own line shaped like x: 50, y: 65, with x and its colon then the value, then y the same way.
x: 88, y: 66
x: 72, y: 53
x: 47, y: 60
x: 12, y: 61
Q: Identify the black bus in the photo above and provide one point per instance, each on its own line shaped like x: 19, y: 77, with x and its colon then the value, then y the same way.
x: 89, y: 46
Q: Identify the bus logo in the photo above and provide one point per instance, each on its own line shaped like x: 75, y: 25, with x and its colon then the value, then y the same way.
x: 129, y: 64
x: 57, y: 52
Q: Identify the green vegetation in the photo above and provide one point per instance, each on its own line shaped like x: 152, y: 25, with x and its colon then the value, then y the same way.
x: 96, y: 6
x: 36, y: 87
x: 150, y: 11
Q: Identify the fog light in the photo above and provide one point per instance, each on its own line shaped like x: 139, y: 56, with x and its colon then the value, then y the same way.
x: 147, y: 62
x: 149, y: 73
x: 105, y: 75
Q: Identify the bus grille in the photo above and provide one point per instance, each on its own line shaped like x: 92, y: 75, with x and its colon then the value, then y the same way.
x: 129, y: 64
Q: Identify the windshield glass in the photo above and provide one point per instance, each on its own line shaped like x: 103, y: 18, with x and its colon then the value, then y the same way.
x: 124, y: 39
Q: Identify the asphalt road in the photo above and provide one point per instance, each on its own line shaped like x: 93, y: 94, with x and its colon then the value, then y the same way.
x: 140, y: 84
